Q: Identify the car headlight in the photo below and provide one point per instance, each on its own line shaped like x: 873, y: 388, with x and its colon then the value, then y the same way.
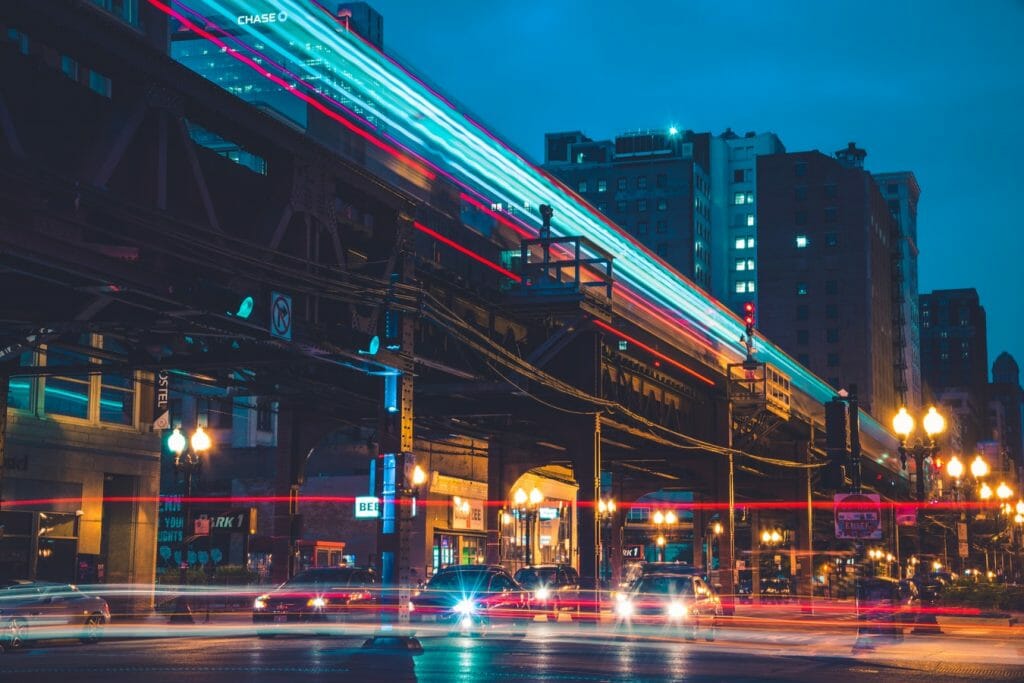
x: 260, y: 602
x: 542, y: 593
x: 465, y: 606
x: 318, y: 602
x: 676, y: 610
x: 624, y: 608
x: 412, y: 606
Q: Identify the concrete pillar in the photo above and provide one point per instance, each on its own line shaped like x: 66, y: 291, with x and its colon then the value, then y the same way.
x: 699, y: 554
x: 755, y: 556
x: 585, y: 453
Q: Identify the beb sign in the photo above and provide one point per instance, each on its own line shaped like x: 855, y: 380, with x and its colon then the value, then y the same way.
x: 367, y: 507
x: 858, y: 516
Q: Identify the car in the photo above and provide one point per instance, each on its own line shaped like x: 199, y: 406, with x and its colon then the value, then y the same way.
x: 671, y: 600
x: 776, y: 589
x: 468, y: 596
x: 556, y: 587
x: 318, y: 596
x: 26, y: 606
x: 886, y: 606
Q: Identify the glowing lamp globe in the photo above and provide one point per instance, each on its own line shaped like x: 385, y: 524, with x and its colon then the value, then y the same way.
x: 201, y: 441
x: 954, y: 467
x: 903, y: 424
x: 979, y: 468
x: 176, y: 441
x: 933, y: 422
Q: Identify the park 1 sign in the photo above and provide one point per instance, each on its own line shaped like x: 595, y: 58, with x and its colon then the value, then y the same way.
x: 858, y: 516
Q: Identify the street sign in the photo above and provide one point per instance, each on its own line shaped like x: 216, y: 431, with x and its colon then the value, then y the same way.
x: 281, y: 316
x: 906, y: 515
x: 367, y: 507
x: 858, y: 516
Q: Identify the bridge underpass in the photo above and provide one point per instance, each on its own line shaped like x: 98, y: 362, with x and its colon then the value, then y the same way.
x: 117, y: 223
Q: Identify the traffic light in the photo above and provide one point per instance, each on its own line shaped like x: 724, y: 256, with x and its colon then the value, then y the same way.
x: 748, y: 317
x: 837, y: 443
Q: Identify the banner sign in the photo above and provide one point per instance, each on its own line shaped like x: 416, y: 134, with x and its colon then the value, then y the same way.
x: 161, y: 401
x: 367, y: 507
x: 858, y: 516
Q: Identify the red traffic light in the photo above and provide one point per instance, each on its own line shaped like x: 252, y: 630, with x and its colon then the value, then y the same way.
x: 748, y: 316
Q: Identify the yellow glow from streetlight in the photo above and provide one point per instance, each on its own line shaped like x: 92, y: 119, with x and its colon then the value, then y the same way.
x: 506, y: 518
x: 201, y: 441
x: 660, y: 541
x: 670, y: 517
x: 936, y: 566
x: 985, y: 493
x: 902, y: 423
x: 602, y: 507
x: 536, y: 497
x: 419, y: 476
x: 933, y: 422
x: 954, y: 467
x: 659, y: 517
x: 1003, y: 491
x: 611, y: 505
x: 1019, y: 518
x: 519, y: 497
x: 979, y: 468
x: 766, y: 536
x: 1020, y: 507
x: 716, y: 528
x: 776, y: 536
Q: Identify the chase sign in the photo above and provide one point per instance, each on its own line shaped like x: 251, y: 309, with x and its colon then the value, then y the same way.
x: 264, y: 18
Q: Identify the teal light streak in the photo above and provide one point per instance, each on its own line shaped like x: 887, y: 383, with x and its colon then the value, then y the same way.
x: 406, y: 111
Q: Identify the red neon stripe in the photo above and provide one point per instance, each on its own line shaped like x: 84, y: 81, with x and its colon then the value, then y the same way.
x: 319, y: 106
x: 653, y: 352
x: 468, y: 252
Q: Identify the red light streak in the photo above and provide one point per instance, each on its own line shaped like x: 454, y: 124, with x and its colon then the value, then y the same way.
x: 468, y: 252
x: 405, y: 158
x: 653, y: 352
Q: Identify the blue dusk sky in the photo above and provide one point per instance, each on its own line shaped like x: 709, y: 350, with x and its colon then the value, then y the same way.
x: 934, y: 87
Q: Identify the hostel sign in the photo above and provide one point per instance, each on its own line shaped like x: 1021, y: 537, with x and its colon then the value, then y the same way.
x: 858, y: 516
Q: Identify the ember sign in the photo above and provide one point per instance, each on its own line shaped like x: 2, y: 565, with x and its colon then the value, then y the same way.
x: 858, y: 516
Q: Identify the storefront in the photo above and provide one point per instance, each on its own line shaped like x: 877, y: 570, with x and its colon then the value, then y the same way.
x: 456, y: 522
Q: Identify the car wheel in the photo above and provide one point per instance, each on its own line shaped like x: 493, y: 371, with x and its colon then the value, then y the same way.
x: 93, y: 630
x: 15, y: 634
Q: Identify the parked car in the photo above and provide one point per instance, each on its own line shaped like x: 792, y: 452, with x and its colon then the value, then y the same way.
x: 26, y: 606
x: 321, y: 595
x: 555, y: 587
x: 776, y: 589
x: 471, y: 595
x: 671, y: 600
x: 886, y: 606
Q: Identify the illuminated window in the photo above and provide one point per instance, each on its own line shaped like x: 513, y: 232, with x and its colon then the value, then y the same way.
x: 741, y: 264
x: 662, y: 204
x: 801, y: 288
x: 741, y: 287
x: 641, y: 182
x: 99, y: 83
x: 750, y: 220
x: 602, y: 185
x: 739, y: 198
x: 641, y: 205
x: 741, y: 242
x: 750, y: 243
x: 750, y: 286
x: 801, y: 241
x: 582, y: 186
x: 750, y: 264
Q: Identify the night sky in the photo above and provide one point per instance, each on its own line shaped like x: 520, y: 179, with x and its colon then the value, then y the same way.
x: 934, y: 87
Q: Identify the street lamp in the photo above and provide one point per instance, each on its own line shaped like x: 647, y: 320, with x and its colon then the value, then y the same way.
x: 187, y: 462
x: 716, y: 529
x: 903, y: 425
x: 662, y: 519
x: 527, y: 504
x: 605, y: 513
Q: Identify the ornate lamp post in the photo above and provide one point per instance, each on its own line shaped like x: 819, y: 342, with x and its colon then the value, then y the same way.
x: 606, y: 513
x: 187, y: 462
x: 903, y: 425
x: 661, y: 519
x: 528, y: 504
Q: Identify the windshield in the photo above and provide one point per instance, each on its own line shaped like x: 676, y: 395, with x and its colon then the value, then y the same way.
x: 536, y: 577
x: 465, y: 581
x: 665, y: 585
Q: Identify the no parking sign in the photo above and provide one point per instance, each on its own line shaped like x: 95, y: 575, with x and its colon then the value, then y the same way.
x: 281, y: 316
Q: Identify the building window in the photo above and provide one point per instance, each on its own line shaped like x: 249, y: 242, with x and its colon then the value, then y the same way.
x: 641, y: 228
x: 750, y: 220
x: 99, y: 83
x: 800, y: 169
x: 750, y: 286
x: 741, y: 288
x: 831, y: 213
x: 662, y: 204
x: 661, y: 226
x: 831, y: 311
x: 892, y: 188
x: 602, y: 207
x: 801, y: 241
x: 831, y: 238
x: 801, y: 313
x: 67, y: 395
x: 739, y: 198
x: 750, y: 197
x: 96, y: 396
x: 802, y: 336
x: 750, y: 243
x: 661, y: 180
x: 832, y: 335
x: 621, y: 184
x: 581, y: 187
x: 641, y: 205
x: 800, y: 193
x: 801, y: 289
x: 641, y: 182
x: 117, y: 391
x: 126, y: 10
x: 832, y: 360
x: 602, y: 185
x: 663, y: 250
x: 741, y: 242
x: 831, y: 286
x: 18, y: 38
x: 621, y: 206
x: 69, y: 67
x: 265, y: 416
x: 741, y: 265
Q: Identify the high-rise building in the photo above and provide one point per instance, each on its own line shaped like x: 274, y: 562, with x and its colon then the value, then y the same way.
x: 901, y: 193
x: 654, y: 184
x: 954, y: 360
x: 734, y: 214
x: 1006, y: 391
x: 825, y: 237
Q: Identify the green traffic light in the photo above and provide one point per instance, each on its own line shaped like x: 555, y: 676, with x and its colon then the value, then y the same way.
x: 245, y: 308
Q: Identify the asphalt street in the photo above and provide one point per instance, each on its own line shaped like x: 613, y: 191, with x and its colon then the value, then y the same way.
x: 539, y: 654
